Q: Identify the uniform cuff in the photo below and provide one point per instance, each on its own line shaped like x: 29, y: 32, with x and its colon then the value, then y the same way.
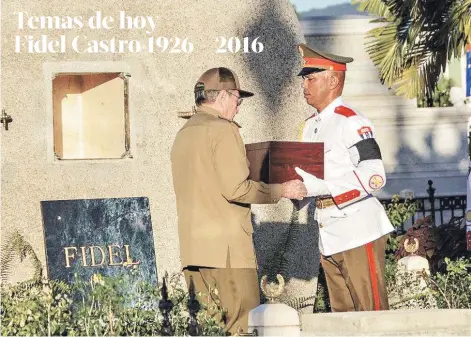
x: 275, y: 192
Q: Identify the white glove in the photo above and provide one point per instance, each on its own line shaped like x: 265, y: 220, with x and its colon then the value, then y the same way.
x: 314, y: 185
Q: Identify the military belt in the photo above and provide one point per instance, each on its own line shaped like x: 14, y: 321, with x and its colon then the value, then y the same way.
x: 324, y: 202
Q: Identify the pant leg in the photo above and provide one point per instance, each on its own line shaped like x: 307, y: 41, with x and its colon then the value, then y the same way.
x: 339, y: 294
x: 363, y: 270
x: 204, y: 283
x: 237, y: 292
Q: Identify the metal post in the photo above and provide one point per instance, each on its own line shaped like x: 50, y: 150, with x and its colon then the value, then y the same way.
x: 193, y: 308
x: 431, y: 197
x: 468, y: 191
x: 165, y: 307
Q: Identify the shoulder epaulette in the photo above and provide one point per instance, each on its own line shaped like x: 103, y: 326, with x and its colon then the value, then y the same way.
x: 344, y: 111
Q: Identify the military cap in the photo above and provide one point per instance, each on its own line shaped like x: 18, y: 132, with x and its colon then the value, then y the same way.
x: 316, y: 61
x: 220, y: 79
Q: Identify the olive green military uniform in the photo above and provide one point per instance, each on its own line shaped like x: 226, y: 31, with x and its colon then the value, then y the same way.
x: 213, y: 195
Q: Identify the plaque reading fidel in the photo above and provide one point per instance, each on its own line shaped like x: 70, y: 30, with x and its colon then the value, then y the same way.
x: 104, y: 236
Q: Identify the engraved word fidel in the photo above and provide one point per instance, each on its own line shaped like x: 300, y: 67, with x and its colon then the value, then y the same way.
x: 99, y: 256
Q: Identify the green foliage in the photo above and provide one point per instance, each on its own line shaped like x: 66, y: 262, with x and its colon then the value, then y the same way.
x: 104, y: 306
x: 116, y: 306
x: 451, y: 243
x: 452, y: 289
x: 36, y: 308
x: 398, y: 211
x: 407, y: 290
x: 210, y: 317
x: 16, y: 245
x: 390, y: 274
x: 443, y: 290
x: 322, y: 303
x: 415, y: 41
x: 440, y: 96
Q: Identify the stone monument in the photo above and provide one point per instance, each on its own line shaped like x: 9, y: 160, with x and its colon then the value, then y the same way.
x: 135, y: 64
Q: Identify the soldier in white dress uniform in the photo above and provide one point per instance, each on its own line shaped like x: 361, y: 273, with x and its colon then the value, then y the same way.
x: 353, y: 224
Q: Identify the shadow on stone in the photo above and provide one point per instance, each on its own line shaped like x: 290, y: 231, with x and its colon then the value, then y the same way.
x: 274, y: 67
x: 290, y: 249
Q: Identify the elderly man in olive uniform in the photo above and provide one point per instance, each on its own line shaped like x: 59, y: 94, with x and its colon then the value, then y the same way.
x: 213, y: 192
x: 353, y: 225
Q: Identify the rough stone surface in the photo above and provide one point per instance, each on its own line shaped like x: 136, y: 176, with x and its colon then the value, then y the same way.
x: 275, y: 319
x: 432, y: 322
x: 161, y: 85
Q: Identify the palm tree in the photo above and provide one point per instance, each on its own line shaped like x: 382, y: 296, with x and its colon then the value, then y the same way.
x: 416, y: 40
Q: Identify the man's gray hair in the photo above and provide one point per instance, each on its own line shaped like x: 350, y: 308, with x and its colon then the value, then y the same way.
x: 206, y: 96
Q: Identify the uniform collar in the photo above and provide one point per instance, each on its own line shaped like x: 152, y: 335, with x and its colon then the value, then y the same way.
x: 328, y: 110
x: 215, y: 113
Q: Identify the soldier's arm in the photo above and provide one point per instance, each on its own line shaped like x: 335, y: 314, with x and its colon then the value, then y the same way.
x: 369, y: 175
x: 231, y: 167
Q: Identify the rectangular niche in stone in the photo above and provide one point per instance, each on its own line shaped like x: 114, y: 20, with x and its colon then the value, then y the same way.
x: 90, y: 116
x: 105, y: 236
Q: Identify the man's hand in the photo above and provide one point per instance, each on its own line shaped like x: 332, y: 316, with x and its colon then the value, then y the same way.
x: 294, y: 189
x: 314, y: 185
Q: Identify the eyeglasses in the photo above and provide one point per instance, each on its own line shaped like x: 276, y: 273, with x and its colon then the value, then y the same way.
x: 239, y: 100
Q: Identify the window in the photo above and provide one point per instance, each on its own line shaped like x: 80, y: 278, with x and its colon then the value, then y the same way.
x: 90, y: 116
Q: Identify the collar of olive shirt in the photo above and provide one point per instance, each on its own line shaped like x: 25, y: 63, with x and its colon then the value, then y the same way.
x: 214, y: 112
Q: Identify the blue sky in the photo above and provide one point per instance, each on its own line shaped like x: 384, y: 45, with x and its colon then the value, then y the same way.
x: 304, y: 5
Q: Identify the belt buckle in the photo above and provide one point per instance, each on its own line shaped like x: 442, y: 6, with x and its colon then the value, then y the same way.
x: 324, y: 203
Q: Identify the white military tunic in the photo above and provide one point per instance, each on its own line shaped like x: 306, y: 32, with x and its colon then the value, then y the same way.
x: 353, y: 169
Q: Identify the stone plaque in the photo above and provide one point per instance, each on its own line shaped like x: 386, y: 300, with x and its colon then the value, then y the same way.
x: 105, y: 236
